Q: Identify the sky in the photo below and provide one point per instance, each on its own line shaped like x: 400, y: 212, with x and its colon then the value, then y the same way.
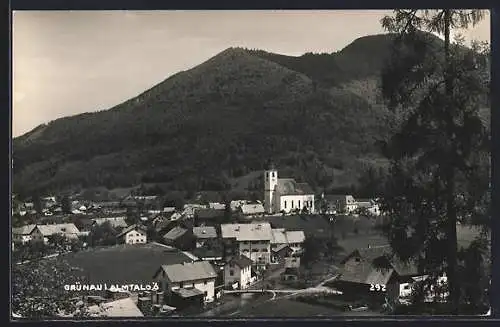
x: 69, y: 62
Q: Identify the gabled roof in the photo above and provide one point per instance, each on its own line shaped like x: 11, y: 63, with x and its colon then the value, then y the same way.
x: 295, y: 236
x: 47, y: 230
x: 241, y: 261
x: 364, y: 272
x: 252, y: 209
x: 288, y: 186
x: 119, y: 308
x: 23, y: 230
x: 279, y: 236
x: 131, y: 228
x: 198, y: 270
x: 205, y: 232
x: 188, y: 292
x: 175, y: 233
x: 247, y: 232
x: 113, y: 221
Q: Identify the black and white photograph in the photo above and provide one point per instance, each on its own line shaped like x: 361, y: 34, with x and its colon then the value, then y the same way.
x: 250, y: 164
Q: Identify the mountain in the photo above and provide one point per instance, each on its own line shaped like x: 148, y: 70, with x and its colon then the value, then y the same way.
x: 316, y: 116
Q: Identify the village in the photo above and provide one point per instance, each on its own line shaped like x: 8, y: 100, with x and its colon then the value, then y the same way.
x: 221, y: 258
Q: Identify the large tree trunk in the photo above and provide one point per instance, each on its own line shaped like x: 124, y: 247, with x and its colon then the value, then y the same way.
x: 454, y: 288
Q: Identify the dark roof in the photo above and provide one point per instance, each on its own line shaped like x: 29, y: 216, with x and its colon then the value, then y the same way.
x: 204, y: 252
x: 241, y: 261
x: 288, y: 186
x: 188, y: 292
x: 371, y: 253
x: 364, y: 272
x: 131, y: 228
x: 209, y: 213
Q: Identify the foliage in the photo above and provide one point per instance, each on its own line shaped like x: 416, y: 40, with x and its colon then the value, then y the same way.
x: 38, y: 289
x: 66, y: 204
x: 102, y: 235
x: 439, y: 155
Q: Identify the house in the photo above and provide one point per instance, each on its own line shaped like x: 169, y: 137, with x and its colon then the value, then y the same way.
x: 41, y: 233
x: 134, y: 234
x: 179, y: 237
x: 238, y: 270
x: 120, y: 308
x: 291, y: 274
x: 252, y: 210
x: 217, y: 206
x: 190, y: 209
x: 296, y: 241
x: 208, y: 217
x: 341, y: 203
x: 251, y: 240
x: 293, y: 239
x: 375, y: 270
x: 214, y: 255
x: 204, y: 233
x: 22, y: 235
x: 369, y: 206
x: 236, y: 204
x: 115, y: 222
x: 185, y: 284
x: 285, y: 194
x: 280, y: 253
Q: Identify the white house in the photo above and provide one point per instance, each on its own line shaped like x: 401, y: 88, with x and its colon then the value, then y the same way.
x: 197, y: 278
x: 285, y: 194
x: 22, y: 235
x: 41, y: 233
x: 203, y: 234
x: 250, y: 240
x: 133, y: 234
x: 238, y: 270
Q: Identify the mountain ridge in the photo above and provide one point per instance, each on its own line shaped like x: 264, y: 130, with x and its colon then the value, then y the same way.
x: 202, y: 128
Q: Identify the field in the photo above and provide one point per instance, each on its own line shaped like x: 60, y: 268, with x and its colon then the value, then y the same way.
x: 124, y: 264
x: 287, y: 308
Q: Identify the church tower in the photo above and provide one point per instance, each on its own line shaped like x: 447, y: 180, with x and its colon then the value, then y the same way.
x: 270, y: 182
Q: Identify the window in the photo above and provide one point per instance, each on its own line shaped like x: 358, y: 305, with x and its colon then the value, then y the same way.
x: 255, y: 250
x: 299, y: 204
x: 273, y: 174
x: 181, y: 285
x: 284, y: 204
x: 205, y: 283
x: 231, y: 272
x: 264, y: 250
x: 292, y: 204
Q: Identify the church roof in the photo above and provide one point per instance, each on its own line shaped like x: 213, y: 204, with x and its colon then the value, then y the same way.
x: 288, y: 186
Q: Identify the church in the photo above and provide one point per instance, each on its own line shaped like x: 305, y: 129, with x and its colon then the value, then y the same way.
x: 285, y: 194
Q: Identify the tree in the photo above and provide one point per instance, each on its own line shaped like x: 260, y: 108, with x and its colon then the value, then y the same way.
x: 38, y: 289
x: 37, y: 203
x: 439, y: 153
x: 66, y: 204
x: 103, y: 234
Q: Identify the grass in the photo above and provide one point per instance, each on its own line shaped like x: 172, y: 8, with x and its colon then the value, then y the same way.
x: 288, y: 308
x: 124, y: 264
